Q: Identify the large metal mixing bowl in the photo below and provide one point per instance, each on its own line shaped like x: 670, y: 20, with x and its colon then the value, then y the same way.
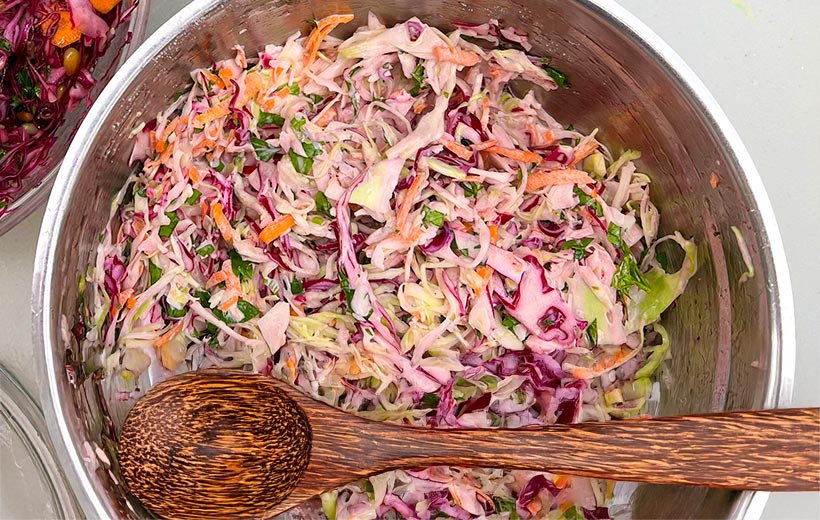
x: 733, y: 342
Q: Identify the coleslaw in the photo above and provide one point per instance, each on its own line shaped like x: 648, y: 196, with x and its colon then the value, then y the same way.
x: 389, y: 223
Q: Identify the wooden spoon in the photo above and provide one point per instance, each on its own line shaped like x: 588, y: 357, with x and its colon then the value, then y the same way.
x: 228, y: 444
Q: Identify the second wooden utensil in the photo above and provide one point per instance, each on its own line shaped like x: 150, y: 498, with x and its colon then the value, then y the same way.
x: 223, y: 443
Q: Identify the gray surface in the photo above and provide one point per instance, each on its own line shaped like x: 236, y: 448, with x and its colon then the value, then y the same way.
x: 763, y: 70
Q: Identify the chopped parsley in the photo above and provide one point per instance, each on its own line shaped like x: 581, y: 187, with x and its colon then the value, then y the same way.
x: 269, y: 118
x: 264, y: 151
x: 471, y: 189
x: 579, y: 246
x: 194, y: 198
x: 240, y: 267
x: 561, y: 79
x: 166, y: 230
x: 323, y: 204
x: 154, y: 272
x: 432, y: 217
x: 296, y: 287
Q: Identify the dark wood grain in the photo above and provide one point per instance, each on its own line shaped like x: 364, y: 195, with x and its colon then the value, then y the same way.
x: 214, y: 442
x: 776, y: 450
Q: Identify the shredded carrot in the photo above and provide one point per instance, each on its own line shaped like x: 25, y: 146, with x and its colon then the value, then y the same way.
x: 493, y: 234
x: 323, y: 27
x: 291, y: 364
x: 714, y: 180
x: 123, y: 296
x: 171, y: 334
x: 539, y: 179
x: 534, y: 507
x: 455, y: 55
x: 518, y: 155
x: 66, y: 33
x: 253, y: 84
x: 407, y: 202
x: 222, y: 222
x: 461, y: 151
x: 276, y: 229
x: 484, y: 145
x: 485, y: 112
x: 232, y: 282
x: 419, y: 108
x: 212, y: 114
x: 130, y: 302
x: 227, y: 304
x: 193, y: 173
x: 225, y: 75
x: 325, y: 117
x: 203, y: 207
x: 217, y: 278
x: 213, y: 78
x: 473, y: 178
x: 485, y: 272
x: 166, y: 154
x: 535, y: 139
x: 584, y: 150
x: 549, y: 137
x: 561, y: 481
x: 103, y: 6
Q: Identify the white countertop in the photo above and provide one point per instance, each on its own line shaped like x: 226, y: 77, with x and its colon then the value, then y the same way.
x: 760, y: 60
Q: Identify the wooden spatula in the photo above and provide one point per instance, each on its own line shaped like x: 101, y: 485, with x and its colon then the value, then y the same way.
x: 227, y: 444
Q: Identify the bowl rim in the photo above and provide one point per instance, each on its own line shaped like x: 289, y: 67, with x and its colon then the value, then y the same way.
x: 781, y: 362
x: 34, y: 197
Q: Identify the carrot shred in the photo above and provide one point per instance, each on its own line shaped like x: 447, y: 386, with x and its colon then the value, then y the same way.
x: 455, y: 55
x: 323, y: 27
x: 222, y: 222
x: 518, y: 155
x: 217, y: 278
x: 212, y: 114
x: 407, y: 202
x: 582, y: 151
x: 193, y: 173
x: 104, y: 6
x: 276, y: 229
x: 325, y: 117
x: 419, y: 108
x: 493, y: 234
x: 459, y: 150
x: 541, y: 178
x: 227, y: 304
x: 549, y: 137
x: 561, y: 481
x: 253, y: 84
x: 66, y: 33
x: 714, y: 180
x: 162, y: 141
x: 225, y: 75
x: 130, y: 302
x: 171, y: 334
x: 473, y: 178
x: 484, y: 145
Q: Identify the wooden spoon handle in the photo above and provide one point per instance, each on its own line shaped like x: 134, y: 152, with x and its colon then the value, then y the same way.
x: 772, y: 450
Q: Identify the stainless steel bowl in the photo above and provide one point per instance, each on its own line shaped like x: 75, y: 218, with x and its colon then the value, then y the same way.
x: 733, y: 342
x: 37, y: 185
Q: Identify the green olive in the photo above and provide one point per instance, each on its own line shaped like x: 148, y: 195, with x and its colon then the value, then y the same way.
x: 30, y: 128
x: 61, y: 92
x: 71, y: 61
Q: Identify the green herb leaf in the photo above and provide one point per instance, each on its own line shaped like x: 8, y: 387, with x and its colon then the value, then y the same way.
x: 241, y: 268
x: 613, y: 234
x: 506, y: 505
x: 323, y: 204
x: 194, y: 198
x: 296, y: 287
x: 418, y: 80
x: 432, y: 217
x: 663, y: 259
x: 344, y: 283
x: 219, y: 167
x: 297, y: 123
x: 573, y: 514
x: 455, y: 249
x: 628, y: 275
x: 249, y: 311
x: 588, y: 201
x: 28, y: 88
x: 269, y: 118
x: 205, y: 250
x: 173, y: 312
x: 561, y: 79
x: 154, y: 272
x: 166, y: 230
x: 181, y: 93
x: 579, y: 246
x: 430, y: 400
x: 509, y: 322
x: 471, y: 189
x: 592, y: 332
x: 300, y: 163
x: 5, y: 44
x: 294, y: 89
x: 264, y: 151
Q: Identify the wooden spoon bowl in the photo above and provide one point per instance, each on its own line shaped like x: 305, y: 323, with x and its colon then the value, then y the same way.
x: 228, y: 444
